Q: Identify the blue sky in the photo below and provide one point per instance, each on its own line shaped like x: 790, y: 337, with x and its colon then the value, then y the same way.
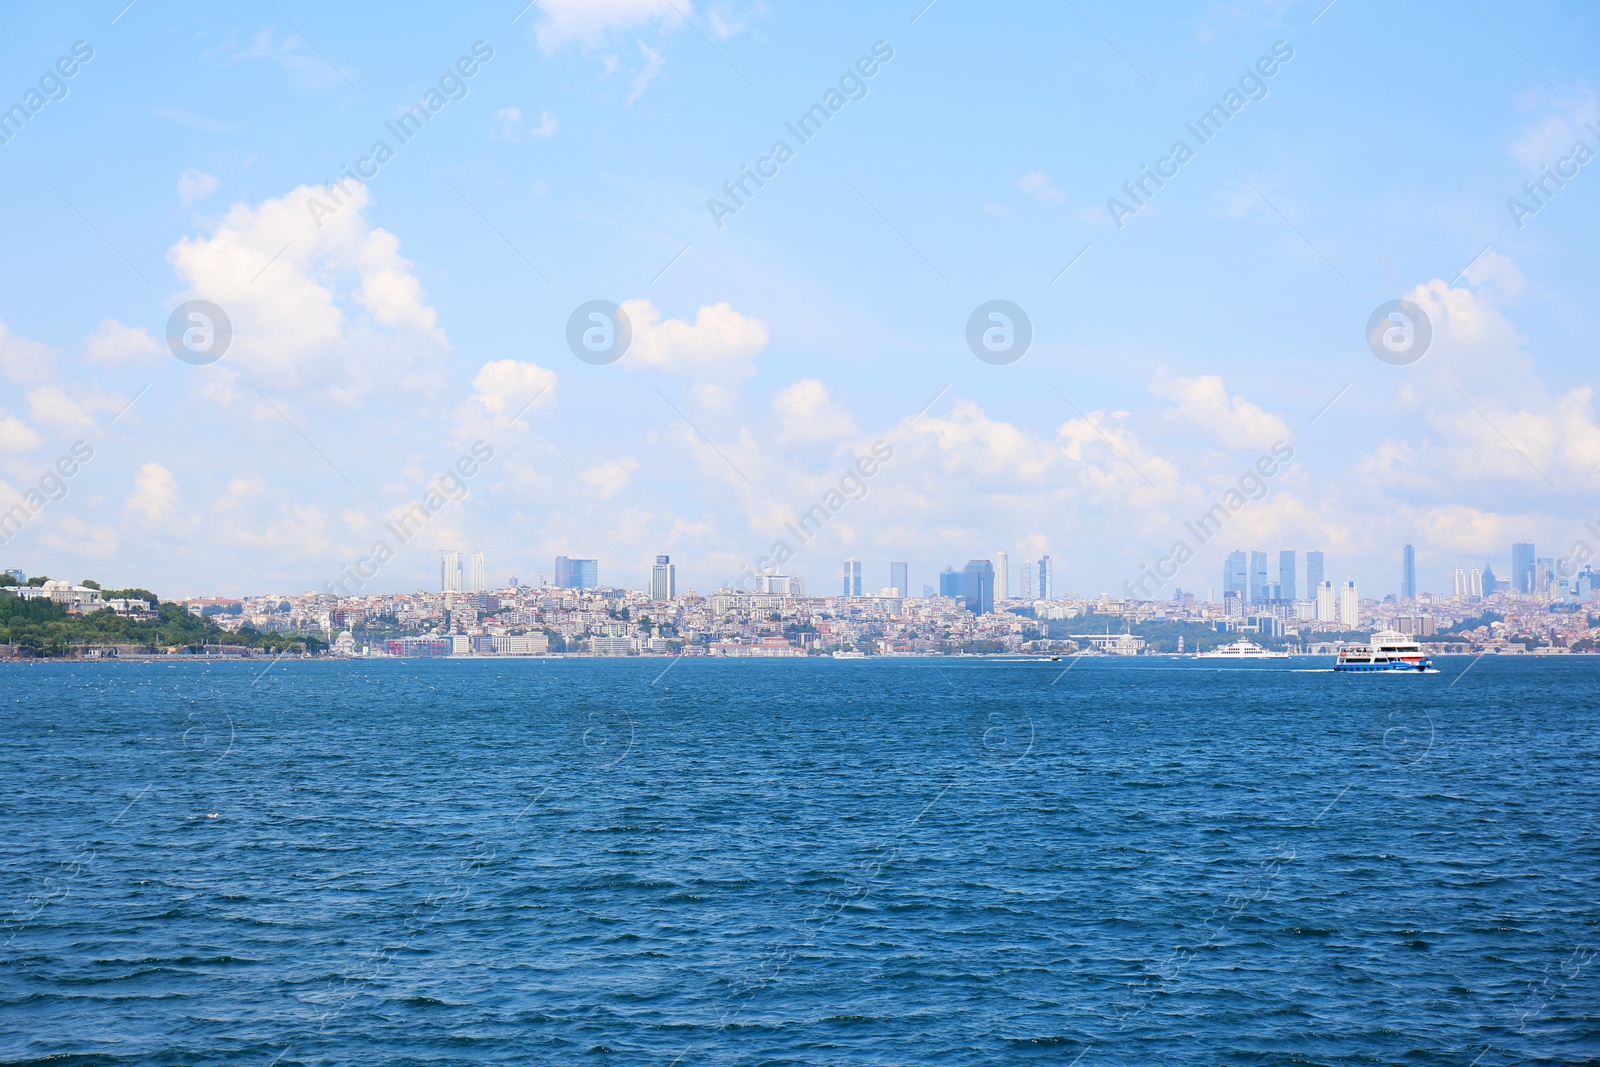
x: 422, y: 315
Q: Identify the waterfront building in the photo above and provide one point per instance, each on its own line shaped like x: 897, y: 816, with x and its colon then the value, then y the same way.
x: 577, y: 573
x: 1258, y: 577
x: 1235, y: 574
x: 1327, y: 602
x: 899, y: 578
x: 1315, y: 572
x: 852, y: 577
x: 977, y: 586
x: 663, y: 579
x: 1349, y: 606
x: 950, y: 582
x: 1522, y: 564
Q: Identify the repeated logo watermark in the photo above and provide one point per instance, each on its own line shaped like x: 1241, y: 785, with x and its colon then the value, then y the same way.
x: 852, y: 85
x: 49, y: 488
x: 449, y: 487
x: 1252, y: 486
x: 51, y: 86
x: 1251, y: 87
x: 1399, y: 332
x: 451, y: 85
x: 599, y: 332
x: 199, y: 332
x: 850, y: 487
x: 1539, y: 191
x: 999, y: 332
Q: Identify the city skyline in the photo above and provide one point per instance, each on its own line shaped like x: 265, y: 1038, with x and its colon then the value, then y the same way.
x: 380, y: 331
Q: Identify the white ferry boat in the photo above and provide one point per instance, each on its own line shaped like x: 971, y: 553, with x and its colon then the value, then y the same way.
x: 1388, y: 651
x: 1241, y: 649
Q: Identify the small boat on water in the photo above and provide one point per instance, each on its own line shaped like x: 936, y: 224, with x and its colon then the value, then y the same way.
x: 1241, y: 649
x: 1389, y: 652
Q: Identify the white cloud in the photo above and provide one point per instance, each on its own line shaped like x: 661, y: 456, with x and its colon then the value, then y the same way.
x: 154, y: 500
x: 653, y: 65
x: 719, y: 340
x: 74, y: 535
x: 16, y: 435
x: 807, y: 413
x: 1204, y: 403
x: 508, y: 126
x: 506, y: 387
x: 116, y: 345
x: 609, y: 479
x: 1038, y: 186
x: 590, y: 22
x: 23, y: 361
x: 72, y: 409
x: 318, y: 297
x: 195, y: 185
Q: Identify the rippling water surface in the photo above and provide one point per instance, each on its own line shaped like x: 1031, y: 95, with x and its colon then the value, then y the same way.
x: 952, y: 862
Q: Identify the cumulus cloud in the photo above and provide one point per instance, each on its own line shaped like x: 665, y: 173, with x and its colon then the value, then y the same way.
x: 23, y: 361
x: 1204, y: 403
x: 16, y: 435
x: 507, y: 387
x: 591, y: 22
x: 653, y: 65
x: 720, y: 340
x: 609, y: 479
x: 806, y: 413
x: 195, y: 185
x: 1038, y: 186
x: 72, y: 408
x: 154, y: 500
x: 319, y: 298
x: 116, y: 345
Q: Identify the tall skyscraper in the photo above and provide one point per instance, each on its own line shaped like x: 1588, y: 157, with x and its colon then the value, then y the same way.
x: 977, y: 586
x: 1047, y: 580
x: 900, y: 579
x: 1286, y: 568
x: 950, y: 582
x: 1544, y: 575
x: 1235, y: 574
x: 449, y: 572
x: 1258, y: 576
x: 1522, y: 567
x: 1002, y: 574
x: 1475, y: 588
x: 479, y: 574
x: 1491, y: 584
x: 1314, y: 572
x: 1026, y: 580
x: 852, y: 577
x: 663, y: 579
x: 577, y: 573
x: 1461, y: 582
x: 1349, y: 606
x: 1408, y: 573
x: 1327, y: 602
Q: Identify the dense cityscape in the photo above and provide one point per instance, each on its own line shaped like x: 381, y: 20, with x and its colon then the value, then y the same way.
x: 1544, y: 606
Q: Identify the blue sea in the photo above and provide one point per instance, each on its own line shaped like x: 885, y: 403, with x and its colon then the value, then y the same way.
x: 959, y: 861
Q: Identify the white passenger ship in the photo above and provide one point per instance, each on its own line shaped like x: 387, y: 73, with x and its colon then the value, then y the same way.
x: 1241, y: 649
x: 1388, y: 651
